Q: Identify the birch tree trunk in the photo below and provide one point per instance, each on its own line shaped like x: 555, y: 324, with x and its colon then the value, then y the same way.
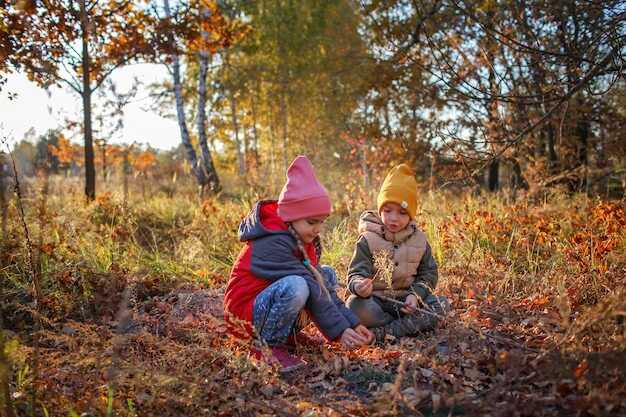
x: 190, y: 152
x: 207, y: 159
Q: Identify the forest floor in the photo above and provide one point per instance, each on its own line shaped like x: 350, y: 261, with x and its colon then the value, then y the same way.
x: 130, y: 321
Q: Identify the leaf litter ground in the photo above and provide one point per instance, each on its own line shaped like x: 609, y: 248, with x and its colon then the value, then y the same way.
x: 173, y: 356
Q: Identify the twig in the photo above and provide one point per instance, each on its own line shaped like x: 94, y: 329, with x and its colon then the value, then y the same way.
x: 35, y: 279
x: 400, y: 303
x: 502, y: 339
x: 29, y: 246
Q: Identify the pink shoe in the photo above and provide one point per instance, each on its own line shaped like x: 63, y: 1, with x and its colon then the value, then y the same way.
x: 280, y: 357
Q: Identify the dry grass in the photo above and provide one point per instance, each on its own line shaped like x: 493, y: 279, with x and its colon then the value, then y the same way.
x: 383, y: 265
x: 537, y: 327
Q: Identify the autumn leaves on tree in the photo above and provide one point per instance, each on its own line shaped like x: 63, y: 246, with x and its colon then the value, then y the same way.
x: 517, y: 95
x: 79, y: 44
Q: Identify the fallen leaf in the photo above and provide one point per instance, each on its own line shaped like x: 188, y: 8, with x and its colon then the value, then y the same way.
x: 393, y: 354
x: 581, y: 368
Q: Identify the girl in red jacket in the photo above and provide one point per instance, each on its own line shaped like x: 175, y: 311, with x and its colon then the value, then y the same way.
x: 277, y: 273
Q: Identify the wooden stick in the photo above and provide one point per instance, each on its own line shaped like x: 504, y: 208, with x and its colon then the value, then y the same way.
x: 398, y: 302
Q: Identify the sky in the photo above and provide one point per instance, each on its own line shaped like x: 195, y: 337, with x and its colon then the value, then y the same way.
x: 35, y: 108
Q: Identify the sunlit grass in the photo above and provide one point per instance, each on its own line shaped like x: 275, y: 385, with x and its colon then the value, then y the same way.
x: 564, y: 253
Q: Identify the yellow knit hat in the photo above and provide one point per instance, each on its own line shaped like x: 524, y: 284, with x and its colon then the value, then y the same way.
x: 399, y: 187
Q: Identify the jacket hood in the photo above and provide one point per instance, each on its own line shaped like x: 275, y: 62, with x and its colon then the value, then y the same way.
x: 263, y: 220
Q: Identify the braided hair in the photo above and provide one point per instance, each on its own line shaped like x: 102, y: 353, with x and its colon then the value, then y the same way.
x: 307, y: 262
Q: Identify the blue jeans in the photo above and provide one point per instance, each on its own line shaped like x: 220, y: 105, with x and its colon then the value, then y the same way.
x: 278, y: 306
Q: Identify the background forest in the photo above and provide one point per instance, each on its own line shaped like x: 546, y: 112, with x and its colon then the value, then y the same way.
x: 114, y: 257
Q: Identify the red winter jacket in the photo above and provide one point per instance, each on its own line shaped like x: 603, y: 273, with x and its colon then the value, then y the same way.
x: 270, y: 253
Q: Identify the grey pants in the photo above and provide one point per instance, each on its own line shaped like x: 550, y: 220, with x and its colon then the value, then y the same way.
x: 385, y: 317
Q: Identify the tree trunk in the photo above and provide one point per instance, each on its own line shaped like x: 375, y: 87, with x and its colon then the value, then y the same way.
x: 246, y: 147
x: 517, y: 178
x: 433, y: 164
x: 540, y: 143
x: 104, y: 161
x: 283, y: 113
x: 552, y: 156
x: 493, y: 132
x: 387, y: 120
x: 190, y: 152
x: 90, y: 170
x: 233, y: 111
x: 363, y: 161
x: 207, y: 159
x: 4, y: 171
x: 255, y: 134
x: 493, y: 181
x: 414, y: 121
x: 126, y: 172
x: 582, y: 132
x: 272, y: 132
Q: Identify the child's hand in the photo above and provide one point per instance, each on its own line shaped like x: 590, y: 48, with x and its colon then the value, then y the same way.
x: 365, y: 332
x: 350, y: 339
x: 364, y: 288
x: 410, y: 304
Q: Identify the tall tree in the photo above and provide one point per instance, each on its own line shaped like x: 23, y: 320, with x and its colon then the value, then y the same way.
x: 510, y: 72
x: 207, y: 159
x: 78, y: 44
x: 292, y: 84
x: 190, y: 152
x: 211, y: 32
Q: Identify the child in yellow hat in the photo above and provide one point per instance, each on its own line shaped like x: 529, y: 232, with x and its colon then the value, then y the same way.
x: 398, y: 302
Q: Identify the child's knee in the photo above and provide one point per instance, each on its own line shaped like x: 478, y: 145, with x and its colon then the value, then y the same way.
x: 295, y: 290
x: 357, y: 304
x: 369, y: 313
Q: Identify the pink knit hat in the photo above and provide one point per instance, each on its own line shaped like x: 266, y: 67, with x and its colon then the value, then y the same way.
x: 302, y: 196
